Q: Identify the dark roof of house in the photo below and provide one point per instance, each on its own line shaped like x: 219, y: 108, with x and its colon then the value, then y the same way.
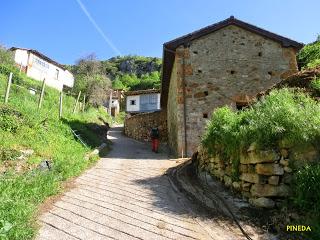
x: 170, y: 47
x: 42, y: 56
x: 141, y: 92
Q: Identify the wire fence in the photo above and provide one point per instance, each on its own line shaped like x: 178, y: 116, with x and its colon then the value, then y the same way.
x: 34, y: 90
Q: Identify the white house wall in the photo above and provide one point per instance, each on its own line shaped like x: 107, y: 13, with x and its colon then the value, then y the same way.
x: 133, y: 108
x: 21, y: 57
x: 158, y: 104
x: 40, y: 69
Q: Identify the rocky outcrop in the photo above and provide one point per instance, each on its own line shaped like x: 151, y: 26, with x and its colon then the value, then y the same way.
x: 135, y: 66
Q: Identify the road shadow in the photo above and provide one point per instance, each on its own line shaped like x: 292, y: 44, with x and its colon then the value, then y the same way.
x: 169, y: 197
x: 92, y: 134
x: 133, y: 149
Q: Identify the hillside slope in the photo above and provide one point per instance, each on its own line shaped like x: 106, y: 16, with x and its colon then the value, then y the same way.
x: 38, y: 151
x: 127, y: 72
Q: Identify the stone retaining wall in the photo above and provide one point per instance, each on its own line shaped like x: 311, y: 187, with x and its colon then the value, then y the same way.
x: 264, y: 175
x: 138, y: 126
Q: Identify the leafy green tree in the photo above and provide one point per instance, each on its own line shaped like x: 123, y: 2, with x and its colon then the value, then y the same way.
x: 309, y: 55
x: 117, y: 84
x: 90, y: 80
x: 129, y: 80
x: 6, y: 56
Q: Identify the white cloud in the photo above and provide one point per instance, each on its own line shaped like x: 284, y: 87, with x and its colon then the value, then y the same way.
x: 96, y: 26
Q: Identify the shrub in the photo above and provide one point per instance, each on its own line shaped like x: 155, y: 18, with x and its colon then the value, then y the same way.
x: 6, y: 57
x: 315, y: 84
x: 8, y: 154
x: 309, y: 56
x: 10, y: 119
x: 306, y: 185
x: 222, y: 137
x: 283, y: 115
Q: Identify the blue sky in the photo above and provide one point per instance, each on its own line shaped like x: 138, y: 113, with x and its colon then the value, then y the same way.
x: 63, y: 30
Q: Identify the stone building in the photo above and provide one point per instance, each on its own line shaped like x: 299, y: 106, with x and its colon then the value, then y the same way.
x: 226, y: 63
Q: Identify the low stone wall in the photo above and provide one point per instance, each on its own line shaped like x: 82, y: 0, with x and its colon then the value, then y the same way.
x: 265, y: 175
x: 138, y: 126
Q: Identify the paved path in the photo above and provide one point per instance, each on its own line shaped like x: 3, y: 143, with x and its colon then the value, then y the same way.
x: 128, y: 196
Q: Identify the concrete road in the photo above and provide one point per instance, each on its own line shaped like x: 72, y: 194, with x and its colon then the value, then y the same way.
x: 128, y: 196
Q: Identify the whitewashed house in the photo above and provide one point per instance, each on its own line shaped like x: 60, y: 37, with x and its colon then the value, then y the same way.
x: 142, y: 101
x: 117, y: 98
x: 39, y: 67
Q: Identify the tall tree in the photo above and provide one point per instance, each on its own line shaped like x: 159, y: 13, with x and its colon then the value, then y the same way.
x: 91, y: 80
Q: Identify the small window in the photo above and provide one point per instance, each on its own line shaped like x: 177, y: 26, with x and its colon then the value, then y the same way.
x: 153, y: 99
x: 260, y: 54
x: 206, y: 93
x: 205, y: 115
x: 56, y: 76
x: 132, y: 102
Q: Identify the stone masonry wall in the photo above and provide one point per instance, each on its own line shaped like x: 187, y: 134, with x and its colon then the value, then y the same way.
x: 226, y: 67
x: 175, y: 111
x: 265, y: 175
x: 138, y: 126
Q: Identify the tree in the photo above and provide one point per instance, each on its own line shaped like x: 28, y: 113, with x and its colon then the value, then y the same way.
x: 309, y: 55
x: 117, y: 84
x: 98, y: 91
x: 6, y: 56
x: 91, y: 80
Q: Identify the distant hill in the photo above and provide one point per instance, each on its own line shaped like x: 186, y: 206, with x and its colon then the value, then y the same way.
x: 137, y: 65
x: 126, y: 72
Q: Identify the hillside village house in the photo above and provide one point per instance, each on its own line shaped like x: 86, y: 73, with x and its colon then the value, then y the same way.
x: 226, y: 63
x: 143, y: 101
x: 116, y: 102
x: 39, y: 67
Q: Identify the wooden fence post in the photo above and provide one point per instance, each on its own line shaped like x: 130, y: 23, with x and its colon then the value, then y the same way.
x: 84, y: 102
x: 60, y: 105
x: 76, y: 104
x: 42, y: 93
x: 6, y: 97
x: 110, y: 102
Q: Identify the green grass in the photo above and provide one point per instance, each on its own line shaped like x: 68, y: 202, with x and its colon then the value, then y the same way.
x: 309, y: 55
x: 120, y: 118
x: 315, y: 84
x: 283, y: 115
x: 306, y: 197
x: 22, y: 127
